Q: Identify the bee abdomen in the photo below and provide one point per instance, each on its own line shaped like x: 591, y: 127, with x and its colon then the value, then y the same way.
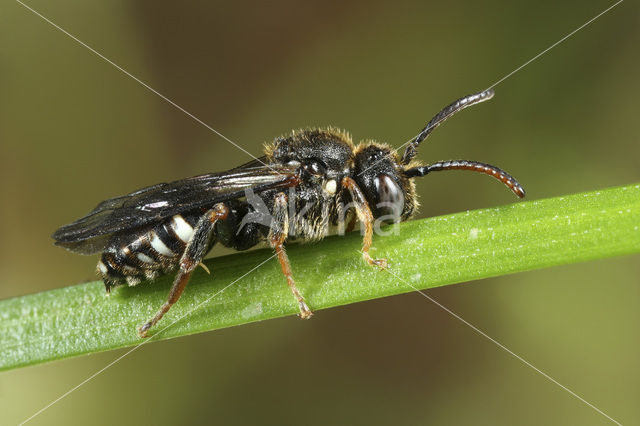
x: 144, y: 255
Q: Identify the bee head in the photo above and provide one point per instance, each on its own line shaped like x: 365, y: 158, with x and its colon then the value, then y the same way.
x: 387, y: 180
x: 381, y: 177
x: 387, y: 183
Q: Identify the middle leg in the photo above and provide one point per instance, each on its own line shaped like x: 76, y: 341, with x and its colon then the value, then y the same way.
x: 277, y: 236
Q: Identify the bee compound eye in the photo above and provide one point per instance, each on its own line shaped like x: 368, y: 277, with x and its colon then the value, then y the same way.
x: 390, y: 198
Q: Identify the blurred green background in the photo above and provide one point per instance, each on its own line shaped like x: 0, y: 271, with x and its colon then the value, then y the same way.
x: 74, y: 130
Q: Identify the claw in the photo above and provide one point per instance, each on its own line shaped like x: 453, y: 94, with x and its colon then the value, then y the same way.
x: 305, y: 312
x: 380, y: 263
x: 142, y: 331
x: 204, y: 267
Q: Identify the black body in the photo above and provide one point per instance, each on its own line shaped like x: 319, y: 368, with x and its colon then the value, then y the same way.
x: 305, y: 184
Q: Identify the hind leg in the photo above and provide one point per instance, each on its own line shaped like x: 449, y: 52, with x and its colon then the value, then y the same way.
x: 191, y: 258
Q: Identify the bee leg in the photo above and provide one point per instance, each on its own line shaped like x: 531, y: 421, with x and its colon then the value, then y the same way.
x: 193, y: 253
x: 277, y: 235
x: 366, y: 217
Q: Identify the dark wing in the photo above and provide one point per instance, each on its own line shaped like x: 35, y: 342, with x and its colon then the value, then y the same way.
x: 91, y: 233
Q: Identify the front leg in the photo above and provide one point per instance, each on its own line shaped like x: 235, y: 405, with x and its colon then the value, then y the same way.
x: 277, y: 236
x: 366, y: 217
x: 193, y: 253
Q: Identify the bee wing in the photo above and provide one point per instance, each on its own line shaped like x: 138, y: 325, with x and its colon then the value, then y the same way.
x: 91, y: 233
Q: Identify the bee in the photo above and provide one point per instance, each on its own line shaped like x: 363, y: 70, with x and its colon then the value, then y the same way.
x: 307, y: 183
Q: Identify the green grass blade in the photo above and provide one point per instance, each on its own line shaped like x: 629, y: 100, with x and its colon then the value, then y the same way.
x: 433, y: 252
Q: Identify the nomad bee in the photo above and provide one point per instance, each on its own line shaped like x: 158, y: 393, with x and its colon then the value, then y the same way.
x: 307, y: 183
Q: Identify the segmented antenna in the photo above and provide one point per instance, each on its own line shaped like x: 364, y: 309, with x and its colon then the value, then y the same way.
x: 474, y: 166
x: 446, y: 112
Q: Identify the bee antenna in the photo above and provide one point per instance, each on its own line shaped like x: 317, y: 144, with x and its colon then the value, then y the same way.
x: 474, y: 166
x: 446, y: 112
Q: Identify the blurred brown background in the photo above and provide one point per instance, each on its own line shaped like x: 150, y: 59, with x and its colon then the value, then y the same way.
x: 74, y: 130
